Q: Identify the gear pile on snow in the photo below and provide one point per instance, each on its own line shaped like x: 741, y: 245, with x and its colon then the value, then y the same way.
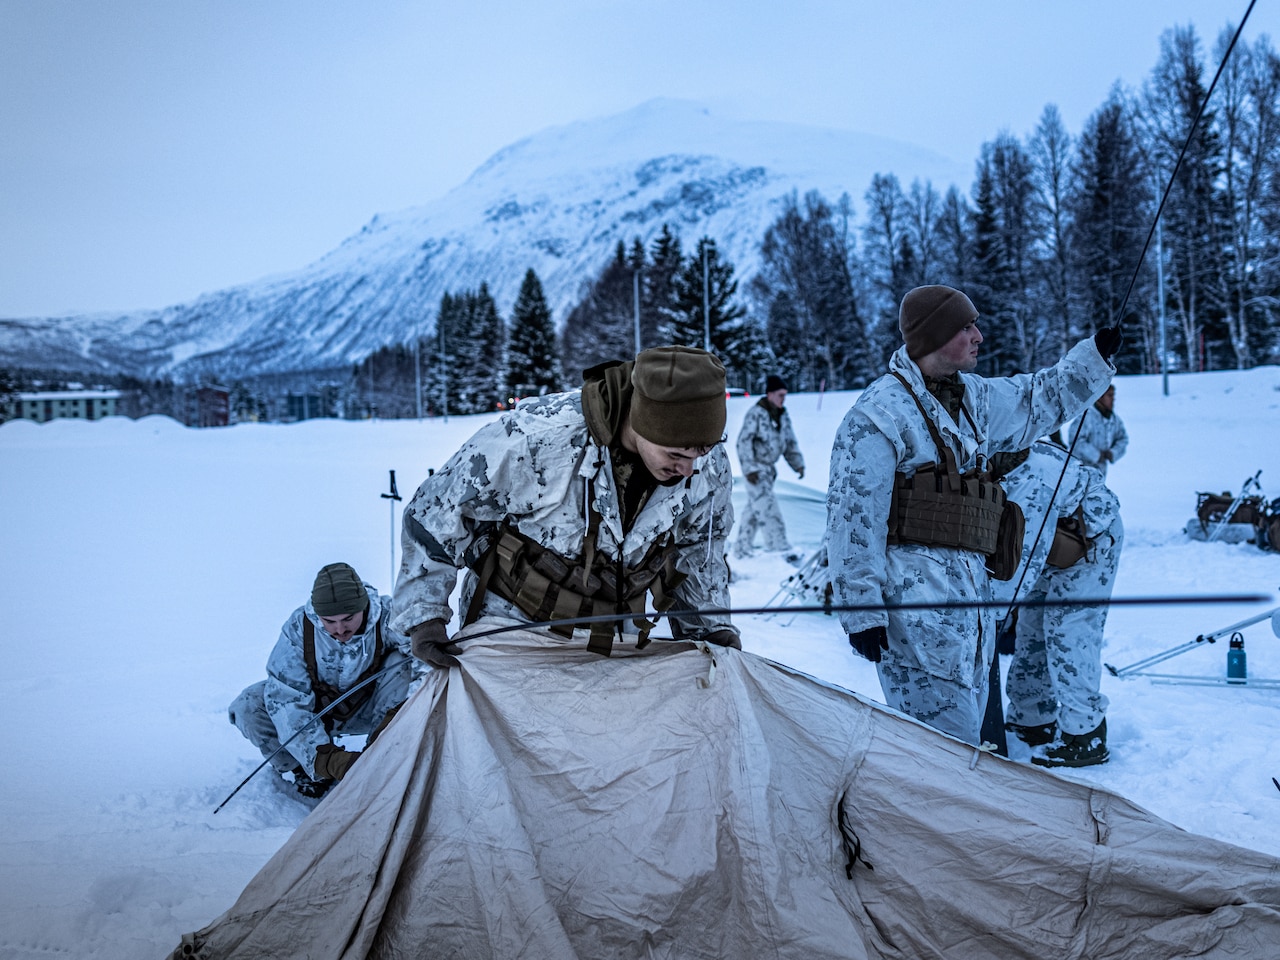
x: 679, y: 801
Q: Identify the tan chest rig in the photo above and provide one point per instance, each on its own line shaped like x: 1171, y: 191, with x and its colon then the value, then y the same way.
x: 939, y: 506
x: 546, y: 586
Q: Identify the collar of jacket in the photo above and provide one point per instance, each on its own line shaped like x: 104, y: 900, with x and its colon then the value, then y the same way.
x: 606, y: 399
x: 966, y: 441
x: 775, y: 413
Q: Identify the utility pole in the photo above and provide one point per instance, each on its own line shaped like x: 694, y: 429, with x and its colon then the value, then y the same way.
x: 1164, y: 352
x: 706, y: 296
x: 444, y: 379
x: 417, y: 372
x: 636, y: 285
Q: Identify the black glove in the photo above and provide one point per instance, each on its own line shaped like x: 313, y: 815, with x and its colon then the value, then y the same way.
x: 430, y: 642
x: 753, y: 477
x: 724, y: 638
x: 1108, y: 341
x: 869, y: 642
x: 333, y: 762
x: 800, y: 474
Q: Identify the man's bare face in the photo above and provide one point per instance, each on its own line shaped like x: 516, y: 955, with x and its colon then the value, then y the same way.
x: 959, y: 354
x: 667, y: 464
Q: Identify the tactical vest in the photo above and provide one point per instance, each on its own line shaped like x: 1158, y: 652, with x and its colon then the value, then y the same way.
x: 938, y: 506
x: 326, y: 693
x: 546, y: 586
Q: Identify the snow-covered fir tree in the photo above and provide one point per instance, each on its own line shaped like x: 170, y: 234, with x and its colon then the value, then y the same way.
x: 533, y: 363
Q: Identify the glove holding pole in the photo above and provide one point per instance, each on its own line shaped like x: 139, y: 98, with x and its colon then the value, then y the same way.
x: 1108, y: 341
x: 430, y: 641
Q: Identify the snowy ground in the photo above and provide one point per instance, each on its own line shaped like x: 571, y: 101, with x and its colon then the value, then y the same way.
x: 147, y: 569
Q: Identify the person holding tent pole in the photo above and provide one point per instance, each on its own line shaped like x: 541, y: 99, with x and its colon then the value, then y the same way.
x: 582, y: 504
x: 912, y: 515
x: 765, y: 436
x: 338, y: 638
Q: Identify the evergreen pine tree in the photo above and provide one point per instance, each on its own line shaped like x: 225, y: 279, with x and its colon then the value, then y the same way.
x: 533, y: 365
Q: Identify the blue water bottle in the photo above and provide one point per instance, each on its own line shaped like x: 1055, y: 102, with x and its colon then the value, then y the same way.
x: 1236, y: 670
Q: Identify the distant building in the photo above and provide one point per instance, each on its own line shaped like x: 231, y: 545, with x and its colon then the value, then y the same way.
x: 49, y: 405
x: 213, y: 407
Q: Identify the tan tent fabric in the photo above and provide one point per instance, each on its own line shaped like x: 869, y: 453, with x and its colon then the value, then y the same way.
x: 541, y: 802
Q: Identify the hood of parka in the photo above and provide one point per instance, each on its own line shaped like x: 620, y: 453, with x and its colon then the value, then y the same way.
x: 606, y: 399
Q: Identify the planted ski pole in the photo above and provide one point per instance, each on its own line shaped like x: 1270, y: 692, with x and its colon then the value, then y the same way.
x: 392, y: 497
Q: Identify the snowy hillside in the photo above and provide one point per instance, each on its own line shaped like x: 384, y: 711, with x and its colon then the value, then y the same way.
x: 557, y: 202
x: 148, y: 568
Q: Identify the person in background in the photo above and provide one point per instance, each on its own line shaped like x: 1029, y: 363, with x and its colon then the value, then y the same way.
x: 1099, y: 435
x: 893, y: 539
x: 582, y: 504
x: 341, y: 636
x: 766, y: 435
x: 1053, y: 690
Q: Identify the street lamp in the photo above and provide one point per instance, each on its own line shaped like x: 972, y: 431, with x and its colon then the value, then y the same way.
x: 708, y: 244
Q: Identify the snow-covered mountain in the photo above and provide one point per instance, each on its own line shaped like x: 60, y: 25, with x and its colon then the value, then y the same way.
x: 558, y: 201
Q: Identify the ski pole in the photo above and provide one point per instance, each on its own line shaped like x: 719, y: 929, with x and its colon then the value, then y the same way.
x: 392, y: 497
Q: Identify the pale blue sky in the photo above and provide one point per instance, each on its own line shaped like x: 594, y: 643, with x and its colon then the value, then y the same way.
x: 151, y: 150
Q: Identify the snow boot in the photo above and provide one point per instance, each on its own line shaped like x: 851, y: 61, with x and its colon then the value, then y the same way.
x: 311, y: 789
x: 1036, y: 736
x: 1077, y: 750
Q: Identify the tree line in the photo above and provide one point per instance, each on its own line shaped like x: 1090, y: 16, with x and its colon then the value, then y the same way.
x: 1056, y: 238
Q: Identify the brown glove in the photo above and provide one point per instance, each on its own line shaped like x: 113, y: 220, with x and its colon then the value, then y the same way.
x: 753, y: 477
x: 724, y: 638
x: 430, y: 643
x: 333, y: 762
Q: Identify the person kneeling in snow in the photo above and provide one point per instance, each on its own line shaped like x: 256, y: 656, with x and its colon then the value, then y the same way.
x: 339, y: 638
x: 582, y: 504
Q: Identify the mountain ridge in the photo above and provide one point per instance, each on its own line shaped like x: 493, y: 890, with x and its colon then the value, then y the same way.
x: 557, y: 201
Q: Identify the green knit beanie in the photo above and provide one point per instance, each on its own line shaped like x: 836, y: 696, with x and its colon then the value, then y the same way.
x: 930, y: 316
x: 338, y: 591
x: 678, y: 399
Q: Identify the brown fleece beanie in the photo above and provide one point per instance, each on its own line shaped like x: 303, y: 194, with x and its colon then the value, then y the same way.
x: 338, y: 591
x: 932, y: 315
x: 678, y: 399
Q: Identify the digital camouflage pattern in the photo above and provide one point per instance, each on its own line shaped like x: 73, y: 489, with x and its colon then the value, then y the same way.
x: 271, y: 711
x: 760, y: 444
x: 937, y: 663
x: 1056, y: 670
x: 532, y: 468
x: 1098, y: 432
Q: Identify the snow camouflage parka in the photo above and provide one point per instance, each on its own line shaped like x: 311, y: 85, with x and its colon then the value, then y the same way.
x: 289, y: 697
x: 884, y: 434
x: 1031, y: 485
x: 532, y: 468
x: 760, y: 443
x: 1098, y: 432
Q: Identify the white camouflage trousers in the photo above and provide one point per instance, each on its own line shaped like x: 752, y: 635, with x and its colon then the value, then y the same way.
x: 1056, y: 669
x: 762, y: 514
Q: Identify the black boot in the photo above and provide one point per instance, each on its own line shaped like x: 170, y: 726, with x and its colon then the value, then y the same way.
x: 311, y: 789
x: 1034, y: 736
x: 1077, y: 750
